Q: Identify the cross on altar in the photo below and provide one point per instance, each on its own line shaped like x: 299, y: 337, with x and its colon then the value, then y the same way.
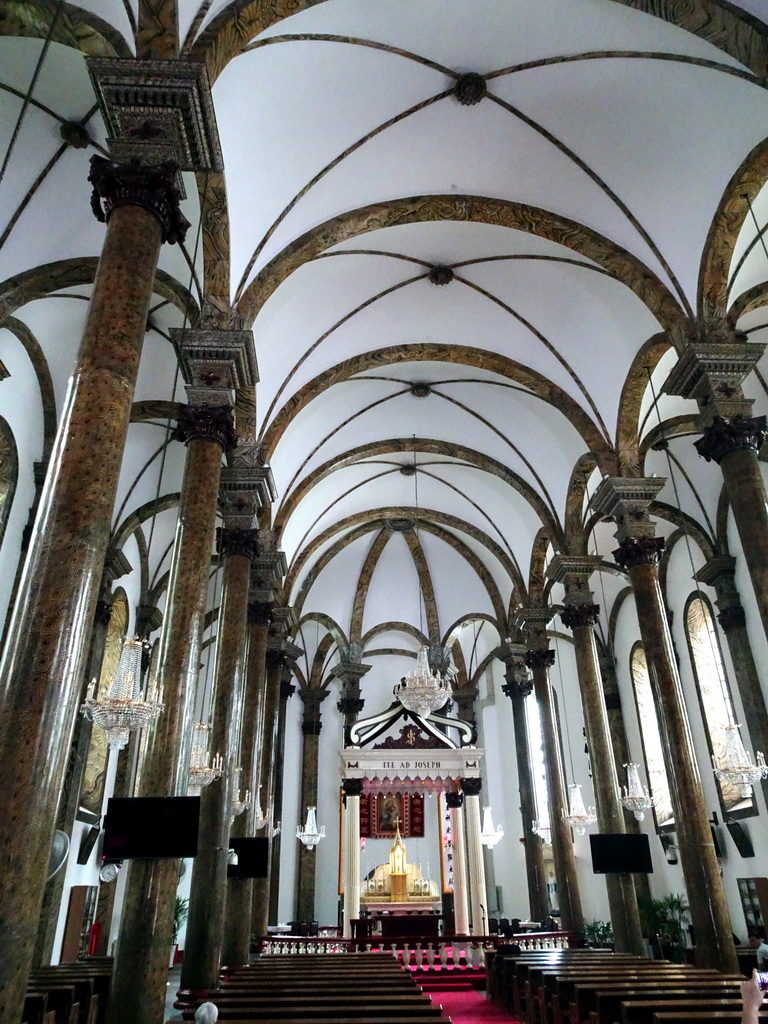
x: 398, y: 819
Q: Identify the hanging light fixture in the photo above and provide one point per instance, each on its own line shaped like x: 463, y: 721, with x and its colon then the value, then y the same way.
x: 124, y: 710
x: 276, y: 830
x: 310, y: 835
x: 423, y: 691
x: 543, y: 831
x: 238, y: 805
x: 579, y: 816
x: 737, y: 767
x: 259, y: 817
x: 203, y: 771
x: 634, y: 797
x: 489, y: 836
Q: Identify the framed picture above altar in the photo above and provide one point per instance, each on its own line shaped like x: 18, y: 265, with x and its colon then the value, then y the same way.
x: 381, y: 813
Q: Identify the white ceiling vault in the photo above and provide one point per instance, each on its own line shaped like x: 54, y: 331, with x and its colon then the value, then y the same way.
x: 577, y: 206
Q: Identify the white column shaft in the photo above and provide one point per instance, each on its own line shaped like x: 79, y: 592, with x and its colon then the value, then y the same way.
x: 460, y: 904
x: 351, y: 854
x: 476, y: 867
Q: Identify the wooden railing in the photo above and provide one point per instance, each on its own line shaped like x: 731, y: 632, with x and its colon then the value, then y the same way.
x: 425, y: 954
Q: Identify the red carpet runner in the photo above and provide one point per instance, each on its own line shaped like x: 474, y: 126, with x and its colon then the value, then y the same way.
x: 466, y: 1006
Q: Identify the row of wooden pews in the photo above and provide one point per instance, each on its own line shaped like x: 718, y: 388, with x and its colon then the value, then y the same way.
x: 595, y: 987
x: 350, y: 988
x: 70, y: 993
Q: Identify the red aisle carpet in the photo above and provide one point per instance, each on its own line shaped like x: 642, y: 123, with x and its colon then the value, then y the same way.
x: 466, y: 1006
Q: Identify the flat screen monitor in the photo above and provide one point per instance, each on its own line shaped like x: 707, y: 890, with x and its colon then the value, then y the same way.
x: 252, y: 858
x: 151, y: 827
x: 613, y: 853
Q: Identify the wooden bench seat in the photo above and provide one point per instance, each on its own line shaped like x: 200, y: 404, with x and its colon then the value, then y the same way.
x: 279, y: 1011
x: 702, y: 1017
x: 584, y: 1002
x: 608, y: 1001
x: 340, y: 1020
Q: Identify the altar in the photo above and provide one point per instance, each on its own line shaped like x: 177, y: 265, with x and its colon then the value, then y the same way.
x: 398, y: 887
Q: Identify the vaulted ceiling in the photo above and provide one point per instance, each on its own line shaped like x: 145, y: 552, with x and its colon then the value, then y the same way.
x: 488, y: 284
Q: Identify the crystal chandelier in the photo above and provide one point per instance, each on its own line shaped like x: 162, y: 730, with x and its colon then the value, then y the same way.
x: 490, y: 836
x: 578, y: 816
x: 634, y: 797
x: 123, y: 710
x: 543, y: 831
x: 310, y: 835
x: 422, y: 691
x: 203, y: 771
x: 737, y: 767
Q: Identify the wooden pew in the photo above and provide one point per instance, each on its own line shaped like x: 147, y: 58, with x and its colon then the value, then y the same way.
x: 583, y: 992
x: 609, y: 1001
x: 702, y: 1017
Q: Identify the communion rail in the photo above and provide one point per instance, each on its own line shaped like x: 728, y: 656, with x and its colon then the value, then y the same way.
x: 457, y: 952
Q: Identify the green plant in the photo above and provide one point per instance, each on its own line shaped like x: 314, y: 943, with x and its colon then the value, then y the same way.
x: 664, y: 922
x: 598, y: 933
x: 180, y: 911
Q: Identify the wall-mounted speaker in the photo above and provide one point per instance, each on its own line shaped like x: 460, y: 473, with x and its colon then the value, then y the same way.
x: 740, y: 836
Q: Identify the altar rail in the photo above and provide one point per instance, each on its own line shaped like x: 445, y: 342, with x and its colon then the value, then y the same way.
x: 425, y: 954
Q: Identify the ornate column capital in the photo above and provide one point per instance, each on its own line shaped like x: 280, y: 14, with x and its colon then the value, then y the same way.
x: 733, y: 617
x: 518, y: 681
x: 153, y: 188
x: 627, y: 500
x: 471, y: 787
x: 533, y: 620
x: 148, y: 619
x: 576, y: 615
x: 454, y: 801
x: 237, y: 543
x: 206, y: 423
x: 312, y: 699
x: 259, y: 612
x: 574, y: 572
x: 712, y: 369
x: 352, y: 787
x: 740, y: 433
x: 241, y: 495
x: 350, y: 705
x: 541, y: 657
x: 215, y: 363
x: 639, y: 551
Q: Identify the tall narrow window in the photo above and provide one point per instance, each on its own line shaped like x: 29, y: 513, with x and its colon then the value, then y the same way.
x: 9, y: 472
x: 651, y: 738
x: 714, y: 694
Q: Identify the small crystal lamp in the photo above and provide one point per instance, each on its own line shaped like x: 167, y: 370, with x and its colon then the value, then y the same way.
x: 490, y: 836
x: 579, y: 816
x: 310, y: 835
x: 124, y: 710
x: 202, y: 770
x: 238, y: 805
x: 737, y: 767
x: 259, y: 817
x: 634, y: 797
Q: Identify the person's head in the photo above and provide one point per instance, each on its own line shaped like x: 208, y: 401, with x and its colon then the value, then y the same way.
x: 207, y: 1013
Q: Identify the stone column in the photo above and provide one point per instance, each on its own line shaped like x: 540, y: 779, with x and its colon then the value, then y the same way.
x: 48, y: 636
x: 351, y: 852
x: 478, y: 899
x: 349, y: 672
x: 455, y: 803
x: 311, y: 725
x: 518, y: 687
x: 141, y: 974
x: 712, y: 371
x: 720, y: 572
x: 115, y: 566
x: 287, y: 689
x: 237, y: 928
x: 539, y: 658
x: 580, y: 615
x: 207, y: 897
x: 627, y: 501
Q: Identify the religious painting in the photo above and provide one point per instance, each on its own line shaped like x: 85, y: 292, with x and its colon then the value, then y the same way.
x: 382, y: 813
x: 94, y: 776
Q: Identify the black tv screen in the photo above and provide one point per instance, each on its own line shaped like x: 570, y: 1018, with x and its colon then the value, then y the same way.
x: 151, y: 827
x: 614, y: 853
x: 252, y: 858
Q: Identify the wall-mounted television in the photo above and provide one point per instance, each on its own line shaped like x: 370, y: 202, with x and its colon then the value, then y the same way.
x: 150, y: 827
x: 252, y: 858
x: 613, y: 853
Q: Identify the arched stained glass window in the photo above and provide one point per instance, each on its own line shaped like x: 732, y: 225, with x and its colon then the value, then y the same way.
x: 653, y: 751
x: 714, y: 694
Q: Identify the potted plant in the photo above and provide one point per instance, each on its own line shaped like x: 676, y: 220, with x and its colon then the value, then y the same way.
x: 180, y: 911
x: 664, y: 926
x: 598, y: 934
